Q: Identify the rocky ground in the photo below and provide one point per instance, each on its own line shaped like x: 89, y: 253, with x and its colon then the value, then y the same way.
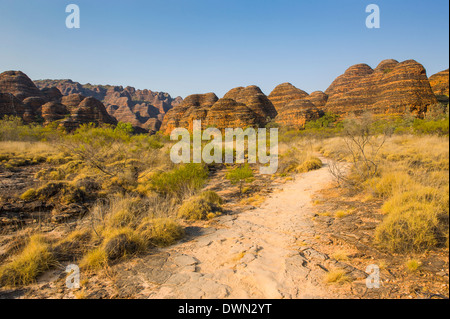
x: 281, y: 247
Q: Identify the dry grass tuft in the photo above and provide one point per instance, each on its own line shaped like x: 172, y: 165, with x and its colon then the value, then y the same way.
x: 24, y: 268
x: 337, y: 276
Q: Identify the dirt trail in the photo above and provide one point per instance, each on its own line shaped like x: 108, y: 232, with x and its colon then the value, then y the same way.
x: 260, y: 253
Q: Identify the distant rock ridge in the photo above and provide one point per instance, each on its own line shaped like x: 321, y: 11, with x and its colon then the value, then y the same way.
x: 141, y: 108
x: 19, y: 96
x: 391, y: 88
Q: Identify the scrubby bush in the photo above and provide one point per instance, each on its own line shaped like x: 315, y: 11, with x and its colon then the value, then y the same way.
x: 416, y: 220
x: 438, y: 127
x: 180, y: 181
x: 211, y: 197
x: 13, y: 129
x: 414, y: 227
x: 310, y: 164
x: 198, y: 208
x: 413, y: 265
x: 62, y: 192
x: 240, y: 175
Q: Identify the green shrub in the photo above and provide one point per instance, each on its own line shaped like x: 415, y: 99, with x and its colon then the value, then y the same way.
x: 240, y: 175
x: 439, y: 127
x: 181, y: 180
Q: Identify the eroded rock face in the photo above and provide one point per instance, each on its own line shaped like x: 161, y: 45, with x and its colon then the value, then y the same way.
x: 227, y: 113
x: 89, y: 110
x: 10, y: 105
x: 72, y: 100
x: 296, y: 113
x: 295, y: 106
x: 240, y: 107
x: 285, y: 93
x: 440, y: 85
x: 18, y: 84
x: 194, y: 107
x: 127, y: 105
x: 254, y: 99
x: 51, y: 94
x: 391, y: 88
x: 152, y: 125
x: 318, y: 98
x: 20, y: 97
x: 53, y: 111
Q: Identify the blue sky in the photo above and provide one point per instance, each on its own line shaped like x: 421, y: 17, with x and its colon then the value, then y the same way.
x: 198, y: 46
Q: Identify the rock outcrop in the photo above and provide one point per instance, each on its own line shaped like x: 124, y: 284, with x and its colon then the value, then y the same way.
x: 440, y: 85
x: 254, y: 99
x: 19, y: 96
x: 285, y: 93
x: 194, y: 107
x: 227, y: 113
x: 89, y: 110
x: 296, y: 113
x: 318, y: 98
x: 18, y: 84
x: 390, y: 88
x: 240, y: 107
x: 127, y: 104
x: 54, y: 111
x: 295, y: 106
x: 10, y: 105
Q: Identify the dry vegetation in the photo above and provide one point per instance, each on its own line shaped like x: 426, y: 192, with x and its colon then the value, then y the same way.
x: 120, y: 195
x: 412, y: 182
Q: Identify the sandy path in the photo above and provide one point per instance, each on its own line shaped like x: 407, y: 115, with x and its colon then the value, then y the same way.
x: 260, y: 253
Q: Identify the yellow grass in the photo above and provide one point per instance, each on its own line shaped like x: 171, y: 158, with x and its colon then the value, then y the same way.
x: 29, y: 264
x: 337, y: 276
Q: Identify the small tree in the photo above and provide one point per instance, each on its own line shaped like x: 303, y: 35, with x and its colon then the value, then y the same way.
x: 240, y: 175
x: 362, y: 145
